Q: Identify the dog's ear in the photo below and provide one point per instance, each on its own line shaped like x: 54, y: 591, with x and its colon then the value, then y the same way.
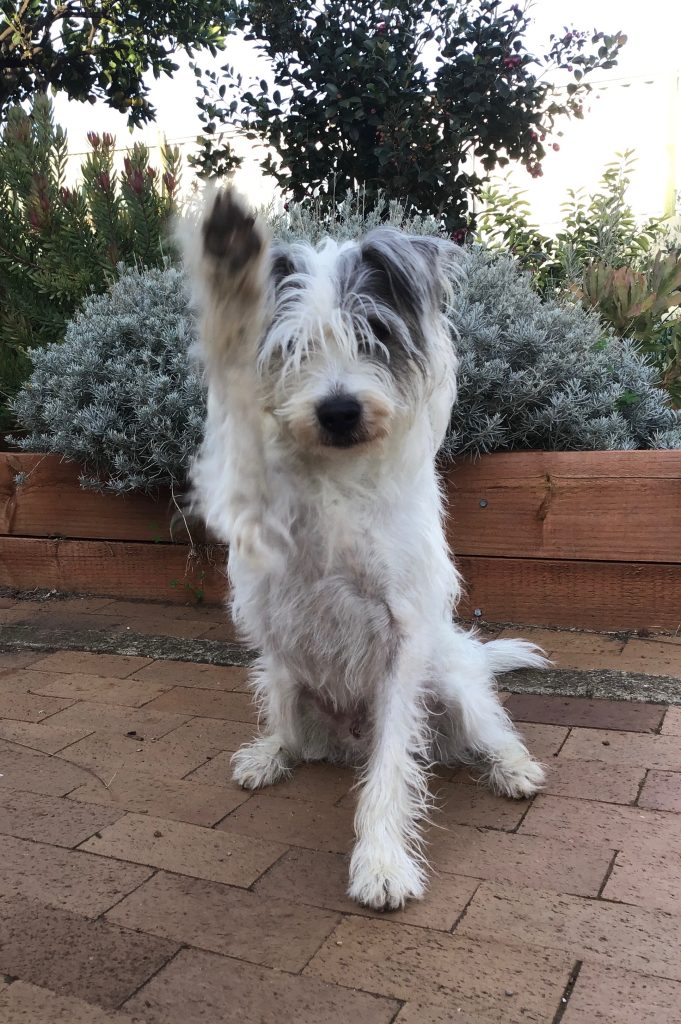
x: 413, y: 273
x: 281, y: 265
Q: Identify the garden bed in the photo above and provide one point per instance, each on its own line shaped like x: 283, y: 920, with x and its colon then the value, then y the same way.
x: 584, y: 539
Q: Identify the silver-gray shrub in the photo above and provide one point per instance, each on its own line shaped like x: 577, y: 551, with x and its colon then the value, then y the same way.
x: 547, y: 375
x: 121, y: 397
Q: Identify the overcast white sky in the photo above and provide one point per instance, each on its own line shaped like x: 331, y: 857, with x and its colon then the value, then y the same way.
x: 642, y: 115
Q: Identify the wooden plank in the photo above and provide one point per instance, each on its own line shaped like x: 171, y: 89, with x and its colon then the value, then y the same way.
x: 51, y: 503
x: 615, y: 506
x: 592, y: 595
x: 665, y: 464
x: 543, y: 505
x: 588, y: 595
x: 162, y: 572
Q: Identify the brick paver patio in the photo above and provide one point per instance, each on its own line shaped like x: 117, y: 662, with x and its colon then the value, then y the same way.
x: 139, y: 884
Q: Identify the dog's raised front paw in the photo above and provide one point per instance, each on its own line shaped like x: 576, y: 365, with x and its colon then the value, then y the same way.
x: 231, y: 234
x: 261, y: 763
x: 384, y: 880
x: 513, y: 772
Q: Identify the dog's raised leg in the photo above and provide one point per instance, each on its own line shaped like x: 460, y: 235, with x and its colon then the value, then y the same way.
x: 227, y: 257
x: 386, y: 867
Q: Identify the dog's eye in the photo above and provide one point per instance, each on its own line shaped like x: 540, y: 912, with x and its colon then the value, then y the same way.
x: 379, y: 329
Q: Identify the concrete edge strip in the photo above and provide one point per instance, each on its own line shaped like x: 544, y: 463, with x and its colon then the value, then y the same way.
x: 605, y: 684
x: 165, y: 648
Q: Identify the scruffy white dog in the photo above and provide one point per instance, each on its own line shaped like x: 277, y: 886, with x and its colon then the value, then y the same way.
x: 331, y: 377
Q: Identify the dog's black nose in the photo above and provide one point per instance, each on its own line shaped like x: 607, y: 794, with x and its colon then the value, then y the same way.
x: 339, y: 416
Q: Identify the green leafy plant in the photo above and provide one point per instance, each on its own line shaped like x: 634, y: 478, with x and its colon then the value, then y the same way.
x: 60, y: 243
x: 102, y: 50
x: 643, y: 305
x: 604, y: 257
x: 396, y: 97
x: 597, y: 227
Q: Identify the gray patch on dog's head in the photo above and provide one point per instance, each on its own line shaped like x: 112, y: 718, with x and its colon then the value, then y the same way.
x: 395, y: 284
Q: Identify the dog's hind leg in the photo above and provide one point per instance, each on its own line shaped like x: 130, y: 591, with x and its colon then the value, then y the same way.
x: 387, y: 867
x: 480, y: 727
x: 272, y: 756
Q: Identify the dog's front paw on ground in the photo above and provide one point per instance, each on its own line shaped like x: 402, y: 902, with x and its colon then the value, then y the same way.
x: 384, y: 883
x: 231, y: 235
x: 516, y: 774
x: 260, y: 764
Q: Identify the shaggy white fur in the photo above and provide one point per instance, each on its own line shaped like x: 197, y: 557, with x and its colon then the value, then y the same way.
x: 331, y: 377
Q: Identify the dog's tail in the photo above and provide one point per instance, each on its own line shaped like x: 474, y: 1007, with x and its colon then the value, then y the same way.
x: 507, y: 655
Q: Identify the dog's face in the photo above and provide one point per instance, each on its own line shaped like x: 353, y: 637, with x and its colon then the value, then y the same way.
x: 357, y: 342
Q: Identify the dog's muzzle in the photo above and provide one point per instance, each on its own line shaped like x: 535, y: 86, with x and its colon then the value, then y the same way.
x: 340, y: 419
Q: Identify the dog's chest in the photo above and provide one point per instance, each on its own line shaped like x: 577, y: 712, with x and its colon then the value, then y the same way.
x: 328, y: 617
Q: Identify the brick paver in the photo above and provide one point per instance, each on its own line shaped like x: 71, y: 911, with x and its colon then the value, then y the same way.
x: 183, y: 673
x: 68, y: 879
x: 23, y: 1003
x: 24, y: 680
x: 140, y: 885
x: 74, y: 956
x: 672, y: 723
x: 648, y: 875
x: 198, y: 987
x: 186, y: 849
x: 113, y: 719
x: 213, y: 736
x: 593, y: 780
x: 30, y: 707
x: 107, y: 753
x: 521, y: 859
x: 51, y: 819
x: 321, y: 880
x: 632, y: 938
x: 36, y: 773
x: 604, y: 824
x: 603, y: 995
x: 116, y: 665
x: 651, y: 656
x: 409, y: 963
x: 624, y: 748
x: 78, y: 686
x: 477, y: 806
x: 597, y: 714
x: 662, y: 790
x: 294, y: 822
x: 573, y: 650
x: 132, y: 789
x: 18, y: 659
x: 185, y: 700
x: 270, y: 931
x: 48, y: 736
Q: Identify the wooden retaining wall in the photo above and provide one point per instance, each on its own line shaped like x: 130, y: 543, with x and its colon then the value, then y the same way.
x: 584, y: 539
